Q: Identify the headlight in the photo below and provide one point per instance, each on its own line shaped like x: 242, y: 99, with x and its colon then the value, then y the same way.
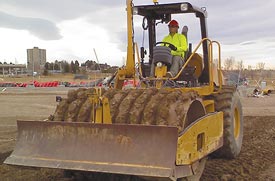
x: 135, y: 10
x: 184, y: 7
x: 159, y: 64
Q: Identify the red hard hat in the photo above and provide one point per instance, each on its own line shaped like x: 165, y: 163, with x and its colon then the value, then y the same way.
x: 173, y: 23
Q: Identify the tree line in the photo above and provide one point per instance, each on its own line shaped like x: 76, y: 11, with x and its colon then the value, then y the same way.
x: 75, y: 67
x: 62, y: 66
x: 231, y: 64
x: 260, y: 70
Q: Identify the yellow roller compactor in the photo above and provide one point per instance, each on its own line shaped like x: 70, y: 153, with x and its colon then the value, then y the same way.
x: 162, y: 130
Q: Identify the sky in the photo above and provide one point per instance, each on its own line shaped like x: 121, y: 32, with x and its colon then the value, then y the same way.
x: 72, y: 30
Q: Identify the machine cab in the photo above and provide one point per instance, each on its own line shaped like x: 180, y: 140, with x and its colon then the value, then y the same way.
x: 197, y: 69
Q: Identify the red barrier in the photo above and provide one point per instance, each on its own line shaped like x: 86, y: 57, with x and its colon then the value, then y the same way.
x: 55, y: 84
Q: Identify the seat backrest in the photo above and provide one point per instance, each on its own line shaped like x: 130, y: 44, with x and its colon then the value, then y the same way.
x: 184, y: 31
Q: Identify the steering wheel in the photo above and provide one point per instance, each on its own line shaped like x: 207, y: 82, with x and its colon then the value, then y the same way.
x: 170, y: 45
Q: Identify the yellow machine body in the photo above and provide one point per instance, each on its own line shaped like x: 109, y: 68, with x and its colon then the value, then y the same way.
x: 143, y: 150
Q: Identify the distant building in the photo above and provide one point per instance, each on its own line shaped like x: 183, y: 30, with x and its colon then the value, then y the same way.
x: 12, y: 69
x: 36, y: 59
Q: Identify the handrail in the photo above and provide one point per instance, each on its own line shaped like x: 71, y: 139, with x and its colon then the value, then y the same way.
x: 190, y: 57
x: 185, y: 64
x: 210, y: 64
x: 210, y: 61
x: 219, y: 64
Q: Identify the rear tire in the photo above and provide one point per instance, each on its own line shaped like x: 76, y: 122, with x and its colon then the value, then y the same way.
x: 229, y: 103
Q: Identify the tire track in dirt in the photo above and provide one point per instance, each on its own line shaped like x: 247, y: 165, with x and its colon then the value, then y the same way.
x: 255, y: 162
x: 256, y: 157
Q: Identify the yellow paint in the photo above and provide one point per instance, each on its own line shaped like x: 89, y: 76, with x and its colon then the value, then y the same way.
x: 92, y: 162
x: 221, y: 80
x: 237, y: 123
x: 197, y: 62
x: 130, y: 62
x: 160, y: 71
x: 200, y: 139
x: 100, y: 112
x: 209, y: 105
x: 129, y: 70
x: 107, y: 119
x: 155, y: 1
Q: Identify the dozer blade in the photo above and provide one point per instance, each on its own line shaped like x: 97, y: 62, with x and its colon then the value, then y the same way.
x: 112, y: 148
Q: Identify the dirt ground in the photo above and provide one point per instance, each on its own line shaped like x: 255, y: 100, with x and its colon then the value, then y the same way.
x: 256, y: 161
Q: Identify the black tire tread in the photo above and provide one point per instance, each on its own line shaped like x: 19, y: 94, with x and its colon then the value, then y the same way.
x: 223, y: 102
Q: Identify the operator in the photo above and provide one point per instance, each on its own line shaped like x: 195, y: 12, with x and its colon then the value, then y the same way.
x: 180, y: 42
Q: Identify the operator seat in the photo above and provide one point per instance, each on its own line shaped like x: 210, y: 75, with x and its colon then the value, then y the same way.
x: 161, y: 54
x: 184, y: 32
x: 188, y: 74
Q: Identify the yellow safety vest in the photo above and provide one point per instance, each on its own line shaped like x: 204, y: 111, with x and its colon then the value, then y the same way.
x: 179, y: 41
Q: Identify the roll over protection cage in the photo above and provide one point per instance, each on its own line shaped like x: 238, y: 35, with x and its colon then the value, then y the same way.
x: 163, y: 12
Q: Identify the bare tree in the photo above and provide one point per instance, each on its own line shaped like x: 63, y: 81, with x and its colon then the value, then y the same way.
x: 239, y: 65
x: 250, y: 72
x: 260, y: 65
x: 229, y: 63
x: 268, y: 74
